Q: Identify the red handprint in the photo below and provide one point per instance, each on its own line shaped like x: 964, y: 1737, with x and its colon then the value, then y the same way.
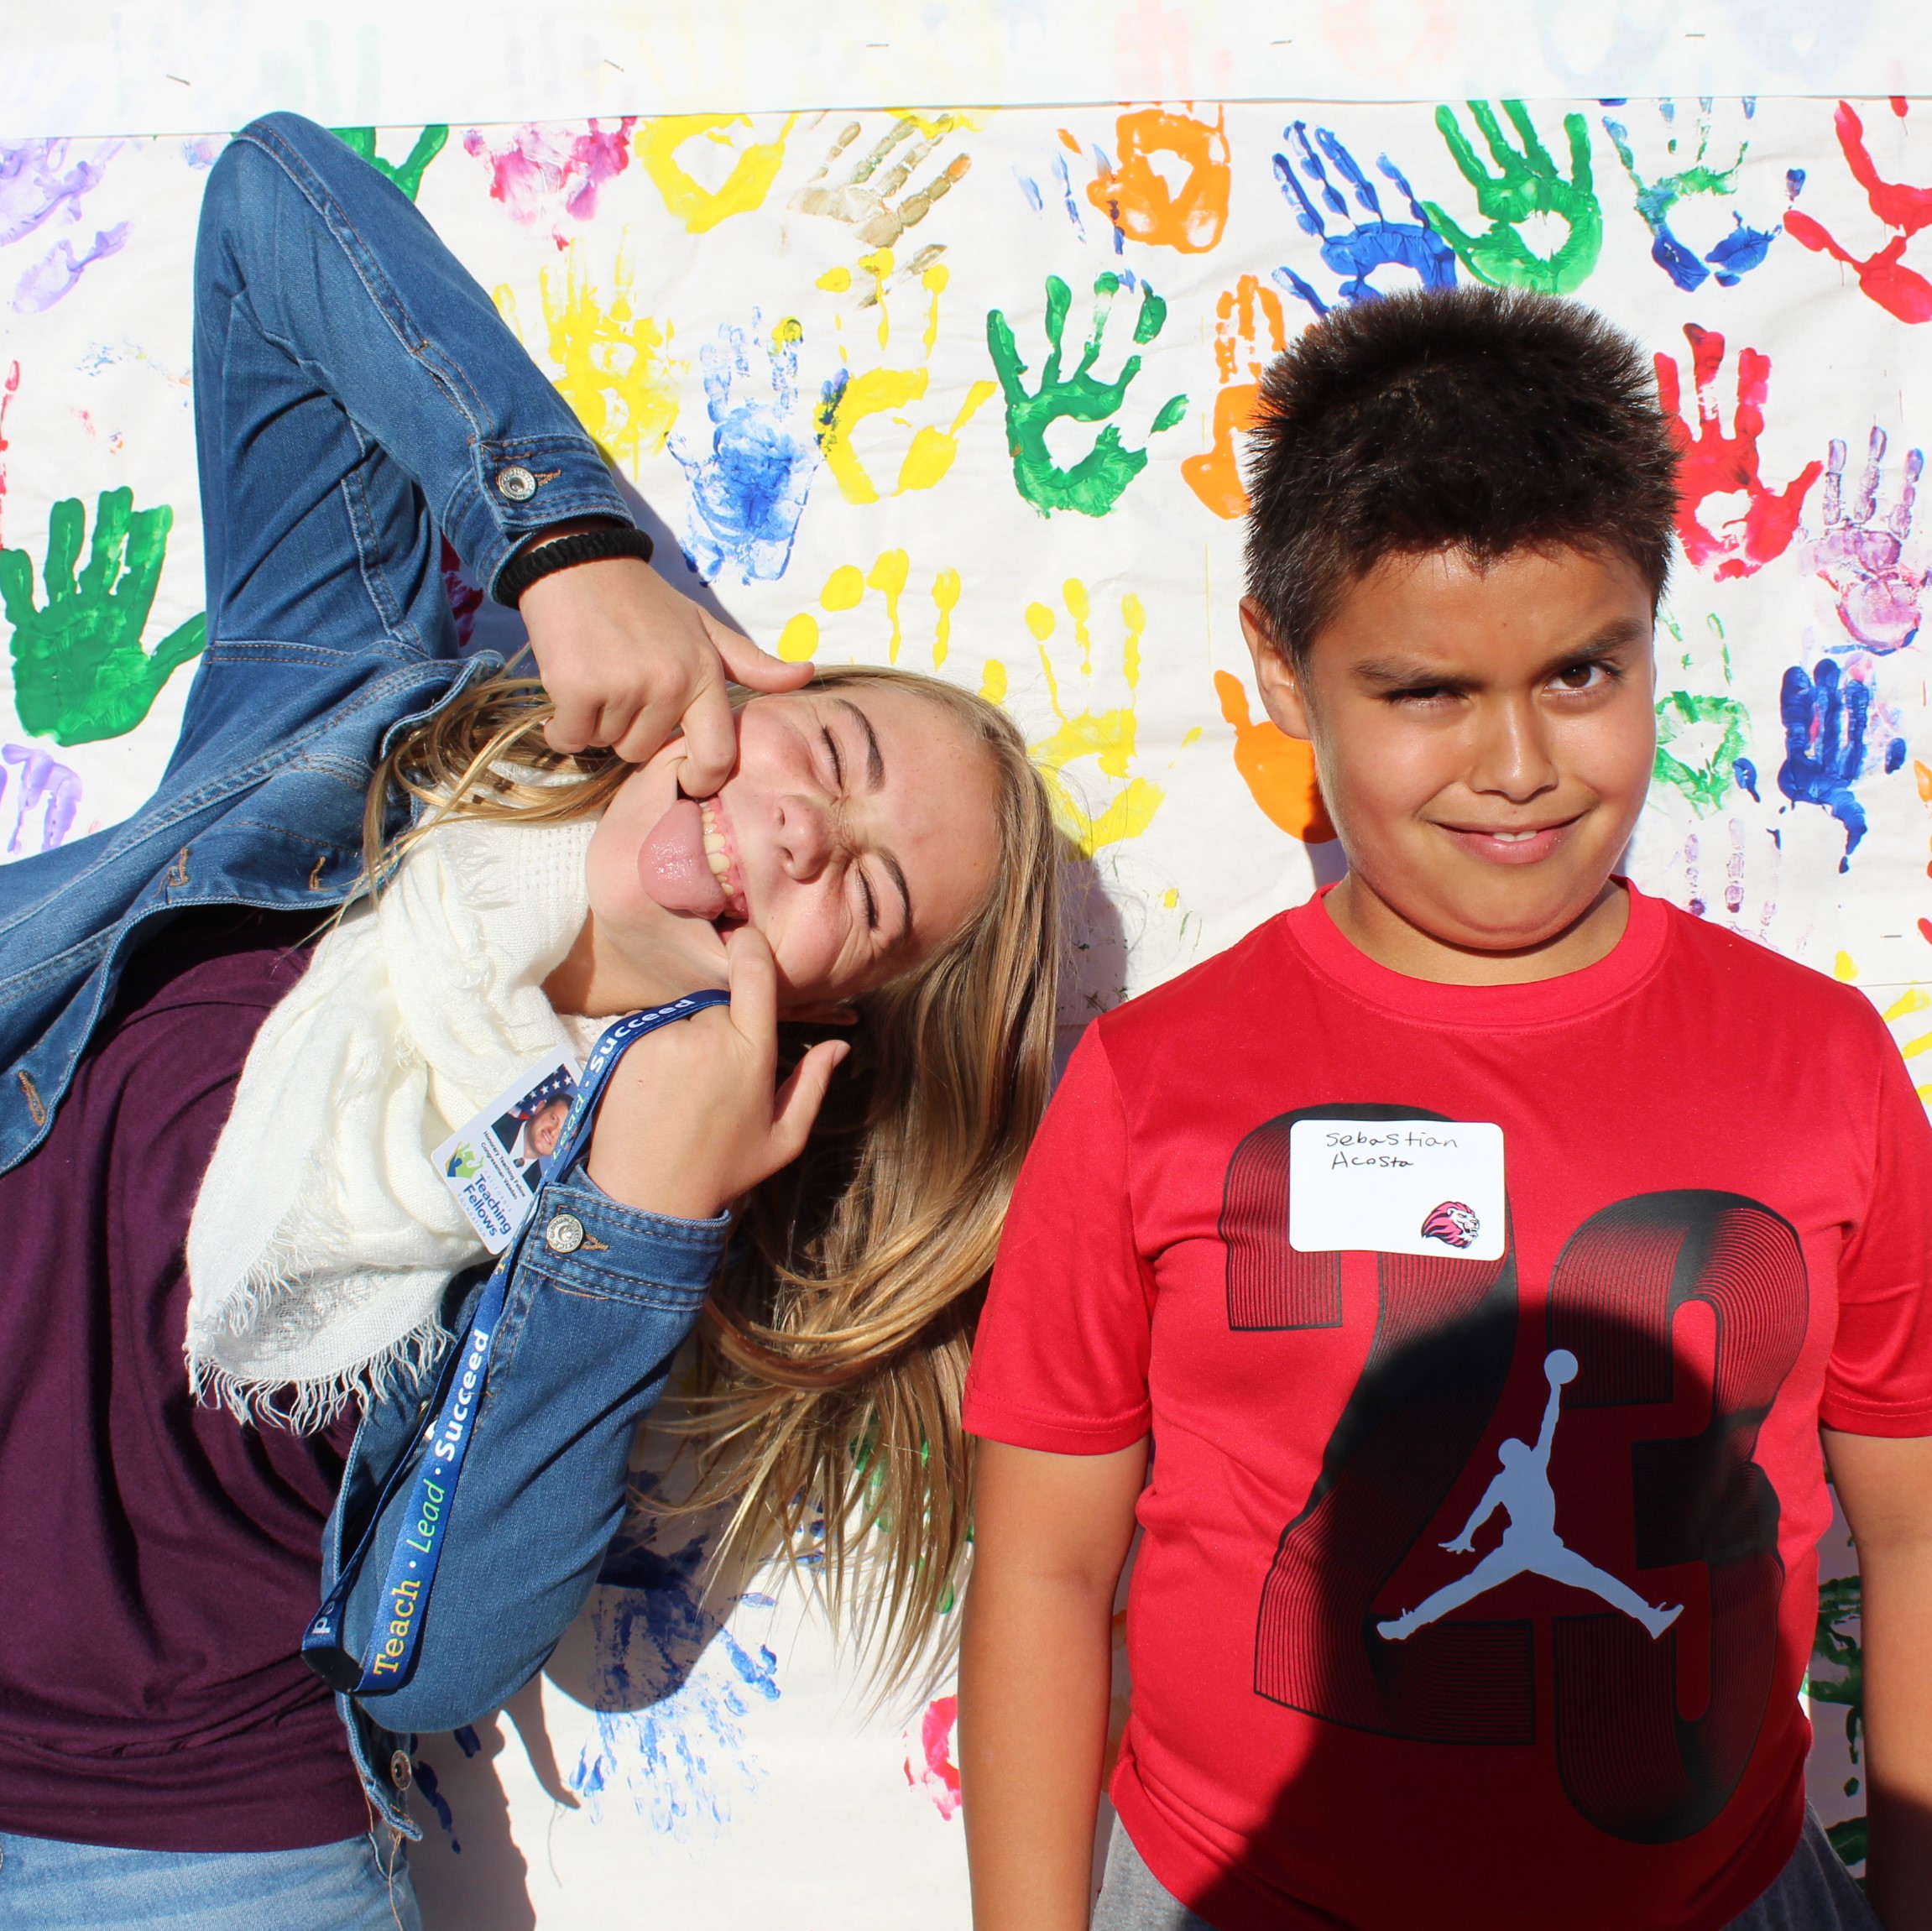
x: 1898, y: 289
x: 1714, y: 464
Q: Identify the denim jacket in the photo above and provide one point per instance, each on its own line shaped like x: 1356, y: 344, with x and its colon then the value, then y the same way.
x: 356, y: 398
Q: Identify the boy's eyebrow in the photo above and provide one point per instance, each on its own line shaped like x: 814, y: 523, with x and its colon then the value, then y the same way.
x: 1401, y: 673
x: 874, y: 764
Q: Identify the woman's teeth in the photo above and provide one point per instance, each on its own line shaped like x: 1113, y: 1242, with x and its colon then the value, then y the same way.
x: 715, y: 854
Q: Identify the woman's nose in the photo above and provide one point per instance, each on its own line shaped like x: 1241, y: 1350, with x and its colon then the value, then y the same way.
x: 808, y: 834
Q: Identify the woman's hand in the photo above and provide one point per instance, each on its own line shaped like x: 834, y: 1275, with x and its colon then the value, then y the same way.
x: 692, y: 1116
x: 626, y: 660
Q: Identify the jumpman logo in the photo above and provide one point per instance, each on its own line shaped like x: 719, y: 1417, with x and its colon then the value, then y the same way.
x: 1530, y: 1545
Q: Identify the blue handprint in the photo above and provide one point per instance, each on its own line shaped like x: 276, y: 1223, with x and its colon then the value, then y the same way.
x: 1734, y: 255
x: 1357, y: 252
x: 748, y: 492
x: 1826, y: 715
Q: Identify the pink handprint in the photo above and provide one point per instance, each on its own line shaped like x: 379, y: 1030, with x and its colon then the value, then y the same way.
x: 1859, y: 552
x: 1898, y: 289
x: 1714, y: 464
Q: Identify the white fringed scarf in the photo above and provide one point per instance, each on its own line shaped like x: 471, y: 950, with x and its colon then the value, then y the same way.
x: 323, y: 1237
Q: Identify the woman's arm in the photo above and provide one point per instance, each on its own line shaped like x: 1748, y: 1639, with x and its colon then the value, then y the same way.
x: 608, y: 1281
x: 1050, y: 1535
x: 1886, y: 1488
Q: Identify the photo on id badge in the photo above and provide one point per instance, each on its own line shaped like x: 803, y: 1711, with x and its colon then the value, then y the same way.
x: 495, y: 1162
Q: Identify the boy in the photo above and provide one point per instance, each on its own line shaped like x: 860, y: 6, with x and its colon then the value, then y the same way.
x: 1482, y: 1244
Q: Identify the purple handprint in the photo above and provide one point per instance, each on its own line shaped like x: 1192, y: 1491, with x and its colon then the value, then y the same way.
x: 1355, y: 253
x: 43, y: 781
x: 35, y: 183
x: 1858, y: 553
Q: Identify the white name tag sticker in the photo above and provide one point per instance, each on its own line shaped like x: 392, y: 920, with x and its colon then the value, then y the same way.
x: 493, y: 1163
x: 1397, y: 1187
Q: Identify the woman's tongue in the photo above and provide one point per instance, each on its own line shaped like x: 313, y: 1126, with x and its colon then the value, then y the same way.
x: 673, y: 868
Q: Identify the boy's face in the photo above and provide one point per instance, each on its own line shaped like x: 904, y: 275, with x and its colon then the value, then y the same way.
x: 1484, y: 739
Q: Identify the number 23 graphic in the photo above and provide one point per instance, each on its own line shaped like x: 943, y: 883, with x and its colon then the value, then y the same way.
x: 1445, y: 1336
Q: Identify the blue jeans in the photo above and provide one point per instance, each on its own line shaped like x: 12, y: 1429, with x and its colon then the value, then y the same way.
x: 359, y: 1885
x: 1814, y: 1892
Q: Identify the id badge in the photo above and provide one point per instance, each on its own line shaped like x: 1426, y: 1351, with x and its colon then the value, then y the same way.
x: 1397, y: 1187
x: 493, y: 1163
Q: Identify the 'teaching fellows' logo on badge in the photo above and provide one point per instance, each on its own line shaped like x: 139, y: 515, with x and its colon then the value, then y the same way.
x: 1452, y: 1224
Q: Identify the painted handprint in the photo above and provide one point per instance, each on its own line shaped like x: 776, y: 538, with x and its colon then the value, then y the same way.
x: 748, y: 491
x: 1240, y: 353
x: 1701, y: 746
x: 864, y: 198
x: 1134, y: 194
x: 1526, y: 188
x: 1107, y: 736
x: 1660, y: 199
x: 1905, y: 210
x: 1357, y: 251
x: 543, y: 172
x: 614, y: 368
x: 850, y: 400
x: 1826, y: 716
x: 754, y: 167
x: 1858, y: 552
x: 407, y: 173
x: 36, y: 183
x: 80, y: 673
x: 41, y: 783
x: 1278, y: 770
x: 1094, y: 484
x: 845, y: 589
x: 1715, y: 465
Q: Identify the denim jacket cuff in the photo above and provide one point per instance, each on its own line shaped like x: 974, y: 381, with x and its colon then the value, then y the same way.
x: 579, y: 1235
x: 518, y: 485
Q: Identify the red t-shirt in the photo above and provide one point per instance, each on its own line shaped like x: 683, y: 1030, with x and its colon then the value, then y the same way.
x: 1719, y: 1210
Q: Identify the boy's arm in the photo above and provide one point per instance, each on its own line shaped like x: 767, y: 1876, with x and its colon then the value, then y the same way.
x: 1885, y: 1484
x: 1050, y: 1535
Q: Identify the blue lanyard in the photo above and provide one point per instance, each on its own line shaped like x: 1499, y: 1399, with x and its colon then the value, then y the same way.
x: 390, y: 1656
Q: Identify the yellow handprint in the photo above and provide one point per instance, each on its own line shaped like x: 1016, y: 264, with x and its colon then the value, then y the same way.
x: 1107, y: 736
x: 615, y: 369
x: 850, y: 398
x: 845, y: 590
x: 686, y: 198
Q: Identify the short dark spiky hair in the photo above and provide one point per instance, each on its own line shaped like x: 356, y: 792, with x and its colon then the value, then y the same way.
x: 1475, y: 419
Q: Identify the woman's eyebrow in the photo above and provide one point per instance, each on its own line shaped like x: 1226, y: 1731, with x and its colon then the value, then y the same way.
x: 874, y: 763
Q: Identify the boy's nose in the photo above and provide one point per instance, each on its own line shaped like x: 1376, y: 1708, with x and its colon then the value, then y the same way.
x: 1512, y: 754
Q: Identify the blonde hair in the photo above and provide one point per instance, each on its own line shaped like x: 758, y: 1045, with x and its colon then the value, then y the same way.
x: 839, y: 1333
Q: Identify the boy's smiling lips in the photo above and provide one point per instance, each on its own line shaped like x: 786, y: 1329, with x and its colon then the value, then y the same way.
x: 1509, y: 845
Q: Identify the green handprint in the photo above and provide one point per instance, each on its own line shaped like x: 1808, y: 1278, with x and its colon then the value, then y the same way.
x: 1526, y: 183
x: 80, y: 673
x: 409, y: 175
x: 1092, y: 486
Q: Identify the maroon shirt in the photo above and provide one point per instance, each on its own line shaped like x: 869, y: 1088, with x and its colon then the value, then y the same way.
x: 158, y: 1559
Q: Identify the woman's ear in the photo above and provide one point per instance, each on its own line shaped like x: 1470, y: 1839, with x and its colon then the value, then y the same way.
x: 823, y: 1012
x: 1274, y: 674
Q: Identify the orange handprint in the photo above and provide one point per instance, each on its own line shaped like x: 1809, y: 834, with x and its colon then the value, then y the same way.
x: 1716, y: 465
x: 1278, y: 770
x: 1135, y: 196
x: 1216, y: 476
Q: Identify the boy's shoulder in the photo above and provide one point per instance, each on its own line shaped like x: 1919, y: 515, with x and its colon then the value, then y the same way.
x: 1741, y: 967
x: 1214, y: 996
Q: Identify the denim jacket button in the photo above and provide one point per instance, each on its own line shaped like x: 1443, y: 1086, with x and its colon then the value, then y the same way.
x: 564, y: 1234
x: 515, y: 484
x: 399, y: 1772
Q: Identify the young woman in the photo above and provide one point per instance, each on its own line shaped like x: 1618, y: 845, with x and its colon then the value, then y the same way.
x: 216, y: 1132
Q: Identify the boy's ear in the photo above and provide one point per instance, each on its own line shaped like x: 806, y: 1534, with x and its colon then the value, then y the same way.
x: 1275, y: 676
